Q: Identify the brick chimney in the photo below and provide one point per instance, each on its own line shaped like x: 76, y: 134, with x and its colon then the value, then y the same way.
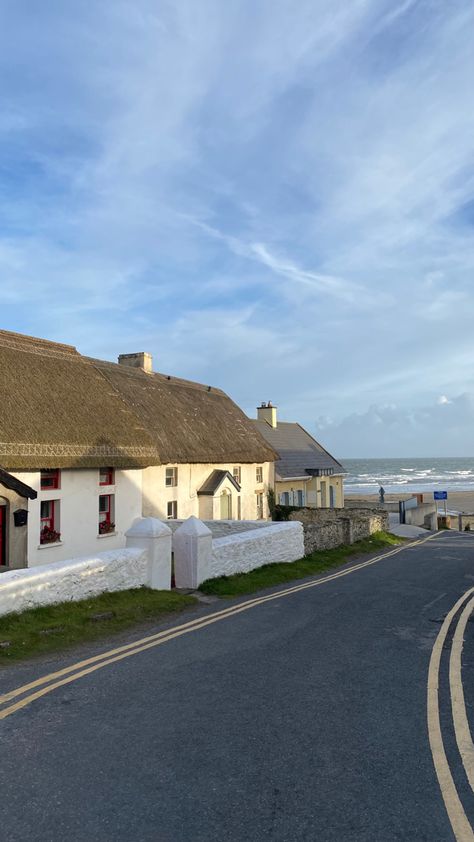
x: 267, y: 412
x: 141, y: 360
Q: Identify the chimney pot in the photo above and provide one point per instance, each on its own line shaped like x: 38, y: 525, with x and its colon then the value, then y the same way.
x: 267, y: 412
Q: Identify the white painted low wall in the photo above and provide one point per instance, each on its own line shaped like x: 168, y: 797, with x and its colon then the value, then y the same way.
x: 244, y: 551
x: 80, y: 578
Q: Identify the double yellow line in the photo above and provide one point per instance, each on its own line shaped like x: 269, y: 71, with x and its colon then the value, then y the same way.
x: 459, y: 822
x: 47, y: 683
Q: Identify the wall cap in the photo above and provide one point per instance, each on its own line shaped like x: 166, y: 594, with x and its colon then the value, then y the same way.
x: 193, y: 526
x: 147, y: 527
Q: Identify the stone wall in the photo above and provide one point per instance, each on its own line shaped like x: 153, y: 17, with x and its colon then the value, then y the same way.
x: 80, y: 578
x: 325, y: 529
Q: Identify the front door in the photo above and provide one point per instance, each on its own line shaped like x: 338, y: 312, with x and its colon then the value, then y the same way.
x: 226, y: 504
x: 3, y: 535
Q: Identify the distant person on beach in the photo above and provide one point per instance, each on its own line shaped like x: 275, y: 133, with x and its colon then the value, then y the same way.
x: 382, y: 495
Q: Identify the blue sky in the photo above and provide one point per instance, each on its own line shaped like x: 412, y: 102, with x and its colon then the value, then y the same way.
x: 272, y: 197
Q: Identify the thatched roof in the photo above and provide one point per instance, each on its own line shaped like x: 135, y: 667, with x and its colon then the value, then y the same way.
x: 188, y: 422
x: 57, y: 411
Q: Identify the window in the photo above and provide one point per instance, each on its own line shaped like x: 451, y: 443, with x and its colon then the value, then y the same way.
x: 106, y: 476
x: 259, y: 474
x: 260, y: 506
x: 237, y: 474
x: 171, y: 478
x: 50, y: 479
x: 106, y: 514
x: 49, y: 519
x: 285, y: 498
x: 300, y: 498
x: 172, y: 513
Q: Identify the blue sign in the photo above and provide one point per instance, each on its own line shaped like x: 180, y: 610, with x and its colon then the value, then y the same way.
x: 440, y: 495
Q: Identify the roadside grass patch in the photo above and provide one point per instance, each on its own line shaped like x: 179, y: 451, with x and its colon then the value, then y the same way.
x: 54, y: 627
x: 311, y: 565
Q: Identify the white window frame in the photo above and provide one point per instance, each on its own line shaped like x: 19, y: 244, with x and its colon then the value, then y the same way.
x: 237, y: 474
x: 171, y: 477
x: 259, y: 474
x: 172, y: 510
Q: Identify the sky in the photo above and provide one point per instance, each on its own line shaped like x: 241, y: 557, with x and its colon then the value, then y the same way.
x: 272, y: 197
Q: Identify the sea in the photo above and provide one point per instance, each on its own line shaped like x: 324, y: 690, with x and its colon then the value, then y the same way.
x: 406, y: 476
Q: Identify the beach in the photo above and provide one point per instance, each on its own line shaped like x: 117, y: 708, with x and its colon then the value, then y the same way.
x: 458, y: 501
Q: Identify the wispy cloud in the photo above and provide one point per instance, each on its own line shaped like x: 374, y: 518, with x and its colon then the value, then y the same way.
x: 259, y: 181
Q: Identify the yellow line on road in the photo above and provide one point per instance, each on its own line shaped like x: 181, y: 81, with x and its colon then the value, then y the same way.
x: 460, y: 720
x: 457, y: 816
x: 90, y: 665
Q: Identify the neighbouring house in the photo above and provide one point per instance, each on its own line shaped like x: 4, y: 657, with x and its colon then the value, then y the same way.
x: 305, y: 473
x: 87, y: 446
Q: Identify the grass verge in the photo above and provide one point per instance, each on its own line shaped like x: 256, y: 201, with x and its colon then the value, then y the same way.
x: 277, y: 574
x: 54, y: 627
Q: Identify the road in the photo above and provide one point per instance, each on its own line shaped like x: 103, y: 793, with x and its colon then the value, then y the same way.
x: 302, y: 717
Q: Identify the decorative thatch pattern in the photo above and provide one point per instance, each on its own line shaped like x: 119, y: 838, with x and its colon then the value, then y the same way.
x: 188, y: 422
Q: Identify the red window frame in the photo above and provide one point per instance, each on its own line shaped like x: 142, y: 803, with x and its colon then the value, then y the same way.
x: 105, y: 515
x: 48, y: 521
x: 106, y: 476
x: 50, y: 479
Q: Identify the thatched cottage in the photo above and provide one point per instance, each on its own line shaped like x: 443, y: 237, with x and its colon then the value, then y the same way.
x: 305, y: 473
x: 86, y: 446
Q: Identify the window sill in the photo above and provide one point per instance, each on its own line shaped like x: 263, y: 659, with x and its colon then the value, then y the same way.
x: 108, y: 535
x: 46, y: 546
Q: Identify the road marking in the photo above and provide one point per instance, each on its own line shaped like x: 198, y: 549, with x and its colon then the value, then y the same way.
x: 460, y: 720
x: 90, y: 665
x: 457, y: 816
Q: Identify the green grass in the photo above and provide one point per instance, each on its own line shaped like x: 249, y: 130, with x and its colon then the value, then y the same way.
x: 277, y: 574
x: 55, y: 627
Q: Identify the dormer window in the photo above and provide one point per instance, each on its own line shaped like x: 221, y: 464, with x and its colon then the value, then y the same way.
x: 106, y: 476
x: 50, y: 479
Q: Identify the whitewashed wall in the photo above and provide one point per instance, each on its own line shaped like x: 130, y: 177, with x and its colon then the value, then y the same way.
x: 79, y: 513
x: 245, y: 551
x: 77, y: 579
x: 191, y: 477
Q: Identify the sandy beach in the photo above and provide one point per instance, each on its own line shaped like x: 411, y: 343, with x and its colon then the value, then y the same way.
x: 458, y: 501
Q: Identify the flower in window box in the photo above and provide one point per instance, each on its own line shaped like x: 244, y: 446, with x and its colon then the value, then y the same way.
x: 105, y: 527
x: 49, y: 536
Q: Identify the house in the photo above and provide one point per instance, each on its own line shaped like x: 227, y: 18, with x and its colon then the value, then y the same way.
x: 305, y: 473
x: 87, y: 446
x: 213, y: 463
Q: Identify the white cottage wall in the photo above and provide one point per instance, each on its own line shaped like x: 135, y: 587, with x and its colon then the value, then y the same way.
x: 156, y: 494
x: 79, y: 513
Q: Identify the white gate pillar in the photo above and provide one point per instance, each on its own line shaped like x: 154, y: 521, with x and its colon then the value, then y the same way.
x: 192, y: 548
x: 154, y: 536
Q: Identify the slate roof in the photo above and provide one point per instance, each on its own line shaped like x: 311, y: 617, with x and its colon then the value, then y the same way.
x: 299, y: 452
x: 213, y: 482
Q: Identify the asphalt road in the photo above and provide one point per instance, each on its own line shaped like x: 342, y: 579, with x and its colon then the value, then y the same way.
x: 303, y: 718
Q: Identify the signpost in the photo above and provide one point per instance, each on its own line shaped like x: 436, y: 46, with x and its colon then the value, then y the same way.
x: 442, y: 495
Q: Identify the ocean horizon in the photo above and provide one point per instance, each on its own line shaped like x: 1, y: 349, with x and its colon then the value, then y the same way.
x: 406, y: 476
